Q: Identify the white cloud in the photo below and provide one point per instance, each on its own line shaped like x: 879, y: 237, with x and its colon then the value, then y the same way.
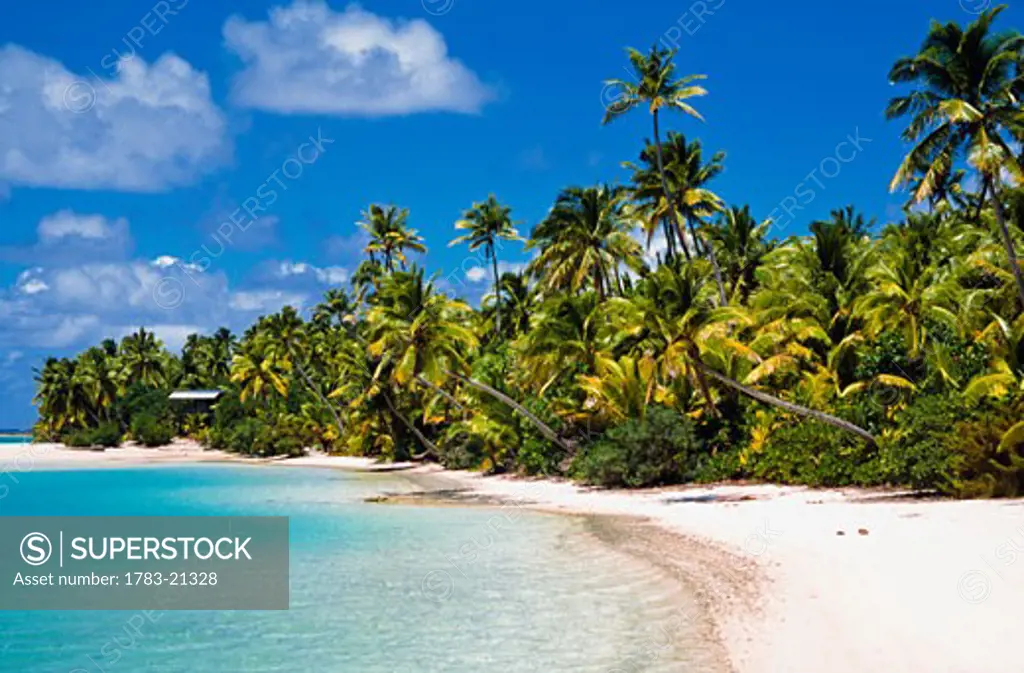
x: 265, y: 301
x: 476, y: 274
x: 148, y: 128
x: 310, y: 59
x: 330, y: 275
x: 65, y: 223
x: 29, y: 283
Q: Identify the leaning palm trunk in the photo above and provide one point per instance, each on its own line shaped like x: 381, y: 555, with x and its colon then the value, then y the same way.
x: 440, y: 391
x: 431, y: 448
x: 316, y: 391
x: 502, y: 397
x: 788, y: 406
x: 1004, y: 229
x: 710, y: 249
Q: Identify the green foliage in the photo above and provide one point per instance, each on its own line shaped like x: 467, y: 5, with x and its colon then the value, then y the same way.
x: 659, y: 449
x: 989, y: 449
x: 918, y: 453
x: 144, y: 400
x: 107, y: 435
x: 816, y: 455
x: 151, y: 431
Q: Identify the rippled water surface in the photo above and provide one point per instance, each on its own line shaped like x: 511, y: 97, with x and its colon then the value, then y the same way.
x: 374, y: 588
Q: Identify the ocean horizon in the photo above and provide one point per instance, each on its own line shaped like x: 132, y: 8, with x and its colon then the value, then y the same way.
x: 374, y: 588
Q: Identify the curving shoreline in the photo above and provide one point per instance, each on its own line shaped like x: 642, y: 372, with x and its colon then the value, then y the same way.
x: 793, y: 579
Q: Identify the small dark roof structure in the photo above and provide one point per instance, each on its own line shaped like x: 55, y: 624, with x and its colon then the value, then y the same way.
x: 196, y: 395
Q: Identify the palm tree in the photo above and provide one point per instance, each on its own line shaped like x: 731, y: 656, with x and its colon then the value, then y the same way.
x: 289, y: 343
x: 967, y: 100
x: 143, y: 359
x: 743, y: 246
x: 671, y: 316
x: 656, y: 87
x: 390, y: 235
x: 258, y: 370
x: 586, y: 236
x: 487, y: 222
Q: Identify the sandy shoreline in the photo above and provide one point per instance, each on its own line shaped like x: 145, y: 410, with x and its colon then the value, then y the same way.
x: 796, y: 580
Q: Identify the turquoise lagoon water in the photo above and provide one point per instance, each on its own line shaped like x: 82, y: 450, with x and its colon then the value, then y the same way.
x: 14, y: 439
x: 374, y: 588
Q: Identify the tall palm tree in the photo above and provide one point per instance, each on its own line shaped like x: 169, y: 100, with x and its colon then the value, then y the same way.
x: 487, y: 222
x: 143, y: 359
x: 966, y: 100
x: 656, y: 87
x: 587, y: 236
x: 390, y: 234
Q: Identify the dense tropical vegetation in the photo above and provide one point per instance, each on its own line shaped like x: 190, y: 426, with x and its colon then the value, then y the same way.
x: 856, y: 354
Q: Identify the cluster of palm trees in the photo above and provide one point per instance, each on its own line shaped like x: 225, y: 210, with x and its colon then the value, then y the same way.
x: 599, y: 328
x: 84, y: 391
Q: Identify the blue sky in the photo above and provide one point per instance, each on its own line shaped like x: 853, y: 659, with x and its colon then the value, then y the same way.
x: 277, y: 125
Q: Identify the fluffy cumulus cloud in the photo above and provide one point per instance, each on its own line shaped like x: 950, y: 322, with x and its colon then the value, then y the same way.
x: 266, y: 301
x: 66, y: 223
x: 150, y: 127
x: 308, y: 58
x: 329, y: 275
x: 65, y: 306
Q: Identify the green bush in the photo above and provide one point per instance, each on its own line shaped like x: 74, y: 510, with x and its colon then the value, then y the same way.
x: 990, y: 457
x: 808, y: 452
x: 107, y: 435
x: 660, y: 448
x: 918, y: 452
x: 151, y: 431
x: 255, y: 437
x: 141, y: 399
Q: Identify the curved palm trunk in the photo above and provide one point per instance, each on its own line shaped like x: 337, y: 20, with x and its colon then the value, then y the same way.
x: 788, y: 406
x: 440, y: 391
x: 431, y: 448
x: 502, y: 397
x: 1004, y: 229
x: 497, y: 290
x: 319, y: 395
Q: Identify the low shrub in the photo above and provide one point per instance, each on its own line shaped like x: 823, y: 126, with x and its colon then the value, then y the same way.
x: 151, y: 431
x: 107, y: 435
x: 660, y: 448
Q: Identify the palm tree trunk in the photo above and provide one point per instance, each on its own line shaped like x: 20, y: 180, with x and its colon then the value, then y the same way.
x: 497, y: 290
x: 697, y: 242
x: 431, y: 448
x: 788, y: 406
x: 1004, y: 229
x: 502, y: 397
x: 710, y: 248
x: 319, y: 395
x: 664, y: 184
x: 440, y: 391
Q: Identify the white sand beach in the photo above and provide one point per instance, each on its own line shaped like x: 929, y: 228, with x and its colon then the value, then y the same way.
x: 796, y: 580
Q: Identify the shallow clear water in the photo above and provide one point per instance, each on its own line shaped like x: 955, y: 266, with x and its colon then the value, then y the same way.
x: 375, y: 588
x: 14, y: 439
